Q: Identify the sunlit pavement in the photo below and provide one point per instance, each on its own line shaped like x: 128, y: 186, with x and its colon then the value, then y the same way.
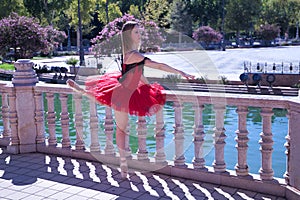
x: 38, y: 176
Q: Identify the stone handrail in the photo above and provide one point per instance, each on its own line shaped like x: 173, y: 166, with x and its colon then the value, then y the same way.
x: 25, y: 113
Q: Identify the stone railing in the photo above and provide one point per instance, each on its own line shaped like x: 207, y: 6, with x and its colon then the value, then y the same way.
x: 25, y: 113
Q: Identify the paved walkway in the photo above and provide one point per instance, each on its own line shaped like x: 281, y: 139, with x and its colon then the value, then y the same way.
x: 38, y: 176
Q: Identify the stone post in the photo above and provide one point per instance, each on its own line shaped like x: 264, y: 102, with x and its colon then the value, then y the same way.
x: 24, y: 79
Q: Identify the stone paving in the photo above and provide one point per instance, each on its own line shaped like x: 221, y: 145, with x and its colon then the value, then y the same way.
x: 36, y: 176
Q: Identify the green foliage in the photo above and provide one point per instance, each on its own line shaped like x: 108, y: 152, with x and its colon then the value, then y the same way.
x: 9, y: 6
x: 241, y: 14
x: 281, y: 12
x: 7, y: 66
x: 72, y: 61
x: 159, y: 12
x: 113, y: 11
x: 181, y: 20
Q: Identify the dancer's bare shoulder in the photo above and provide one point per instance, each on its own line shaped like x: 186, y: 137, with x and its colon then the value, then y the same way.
x: 133, y: 57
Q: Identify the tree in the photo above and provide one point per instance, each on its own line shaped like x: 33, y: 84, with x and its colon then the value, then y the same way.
x: 25, y: 36
x: 181, y: 20
x: 108, y: 41
x: 206, y: 12
x: 206, y: 35
x: 283, y: 13
x: 46, y: 11
x: 159, y: 12
x: 113, y: 11
x: 242, y: 14
x: 9, y: 6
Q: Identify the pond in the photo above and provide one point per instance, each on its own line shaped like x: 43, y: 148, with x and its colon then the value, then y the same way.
x: 254, y: 126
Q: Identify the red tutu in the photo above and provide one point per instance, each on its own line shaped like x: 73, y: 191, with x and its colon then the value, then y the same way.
x: 127, y: 93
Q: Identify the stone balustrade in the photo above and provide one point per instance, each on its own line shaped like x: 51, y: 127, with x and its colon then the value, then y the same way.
x: 30, y: 125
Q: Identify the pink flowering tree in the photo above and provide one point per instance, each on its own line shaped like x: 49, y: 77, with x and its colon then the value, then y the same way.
x: 268, y: 33
x: 206, y: 35
x: 25, y: 36
x: 109, y: 39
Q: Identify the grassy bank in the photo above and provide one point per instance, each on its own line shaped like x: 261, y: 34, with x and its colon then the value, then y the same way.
x: 6, y: 66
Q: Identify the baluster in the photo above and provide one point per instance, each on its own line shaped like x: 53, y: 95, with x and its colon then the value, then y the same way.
x: 142, y: 153
x: 266, y: 142
x: 51, y: 119
x: 5, y: 117
x: 109, y: 131
x: 13, y: 119
x: 179, y: 159
x: 288, y: 149
x: 64, y: 118
x: 293, y: 140
x: 95, y: 145
x: 242, y: 140
x: 160, y: 156
x: 219, y: 139
x: 198, y: 162
x: 79, y: 145
x: 39, y: 118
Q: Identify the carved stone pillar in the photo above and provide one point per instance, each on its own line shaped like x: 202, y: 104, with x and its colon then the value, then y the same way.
x: 64, y: 119
x: 13, y: 120
x: 179, y: 159
x: 5, y: 116
x: 39, y: 118
x: 266, y: 142
x: 51, y: 115
x: 198, y: 162
x: 160, y: 156
x: 219, y: 139
x: 293, y: 148
x: 79, y: 145
x: 109, y: 132
x: 142, y: 153
x: 24, y: 79
x: 95, y: 145
x: 242, y: 140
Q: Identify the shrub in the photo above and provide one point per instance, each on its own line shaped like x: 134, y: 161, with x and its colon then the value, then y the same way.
x: 72, y: 61
x: 268, y: 32
x: 206, y: 35
x: 25, y: 36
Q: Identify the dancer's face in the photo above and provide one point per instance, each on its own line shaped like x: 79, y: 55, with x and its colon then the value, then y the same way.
x: 136, y: 35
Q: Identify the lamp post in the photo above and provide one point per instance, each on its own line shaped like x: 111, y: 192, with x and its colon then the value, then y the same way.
x: 81, y: 52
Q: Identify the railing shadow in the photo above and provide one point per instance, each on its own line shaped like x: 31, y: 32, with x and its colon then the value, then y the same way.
x: 91, y: 179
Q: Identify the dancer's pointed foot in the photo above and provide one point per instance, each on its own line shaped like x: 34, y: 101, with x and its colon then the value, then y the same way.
x: 124, y: 168
x: 74, y: 86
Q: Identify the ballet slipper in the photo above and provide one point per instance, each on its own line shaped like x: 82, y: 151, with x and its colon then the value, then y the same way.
x: 124, y: 168
x: 75, y: 86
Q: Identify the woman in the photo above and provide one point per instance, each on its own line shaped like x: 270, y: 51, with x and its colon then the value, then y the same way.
x: 128, y: 92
